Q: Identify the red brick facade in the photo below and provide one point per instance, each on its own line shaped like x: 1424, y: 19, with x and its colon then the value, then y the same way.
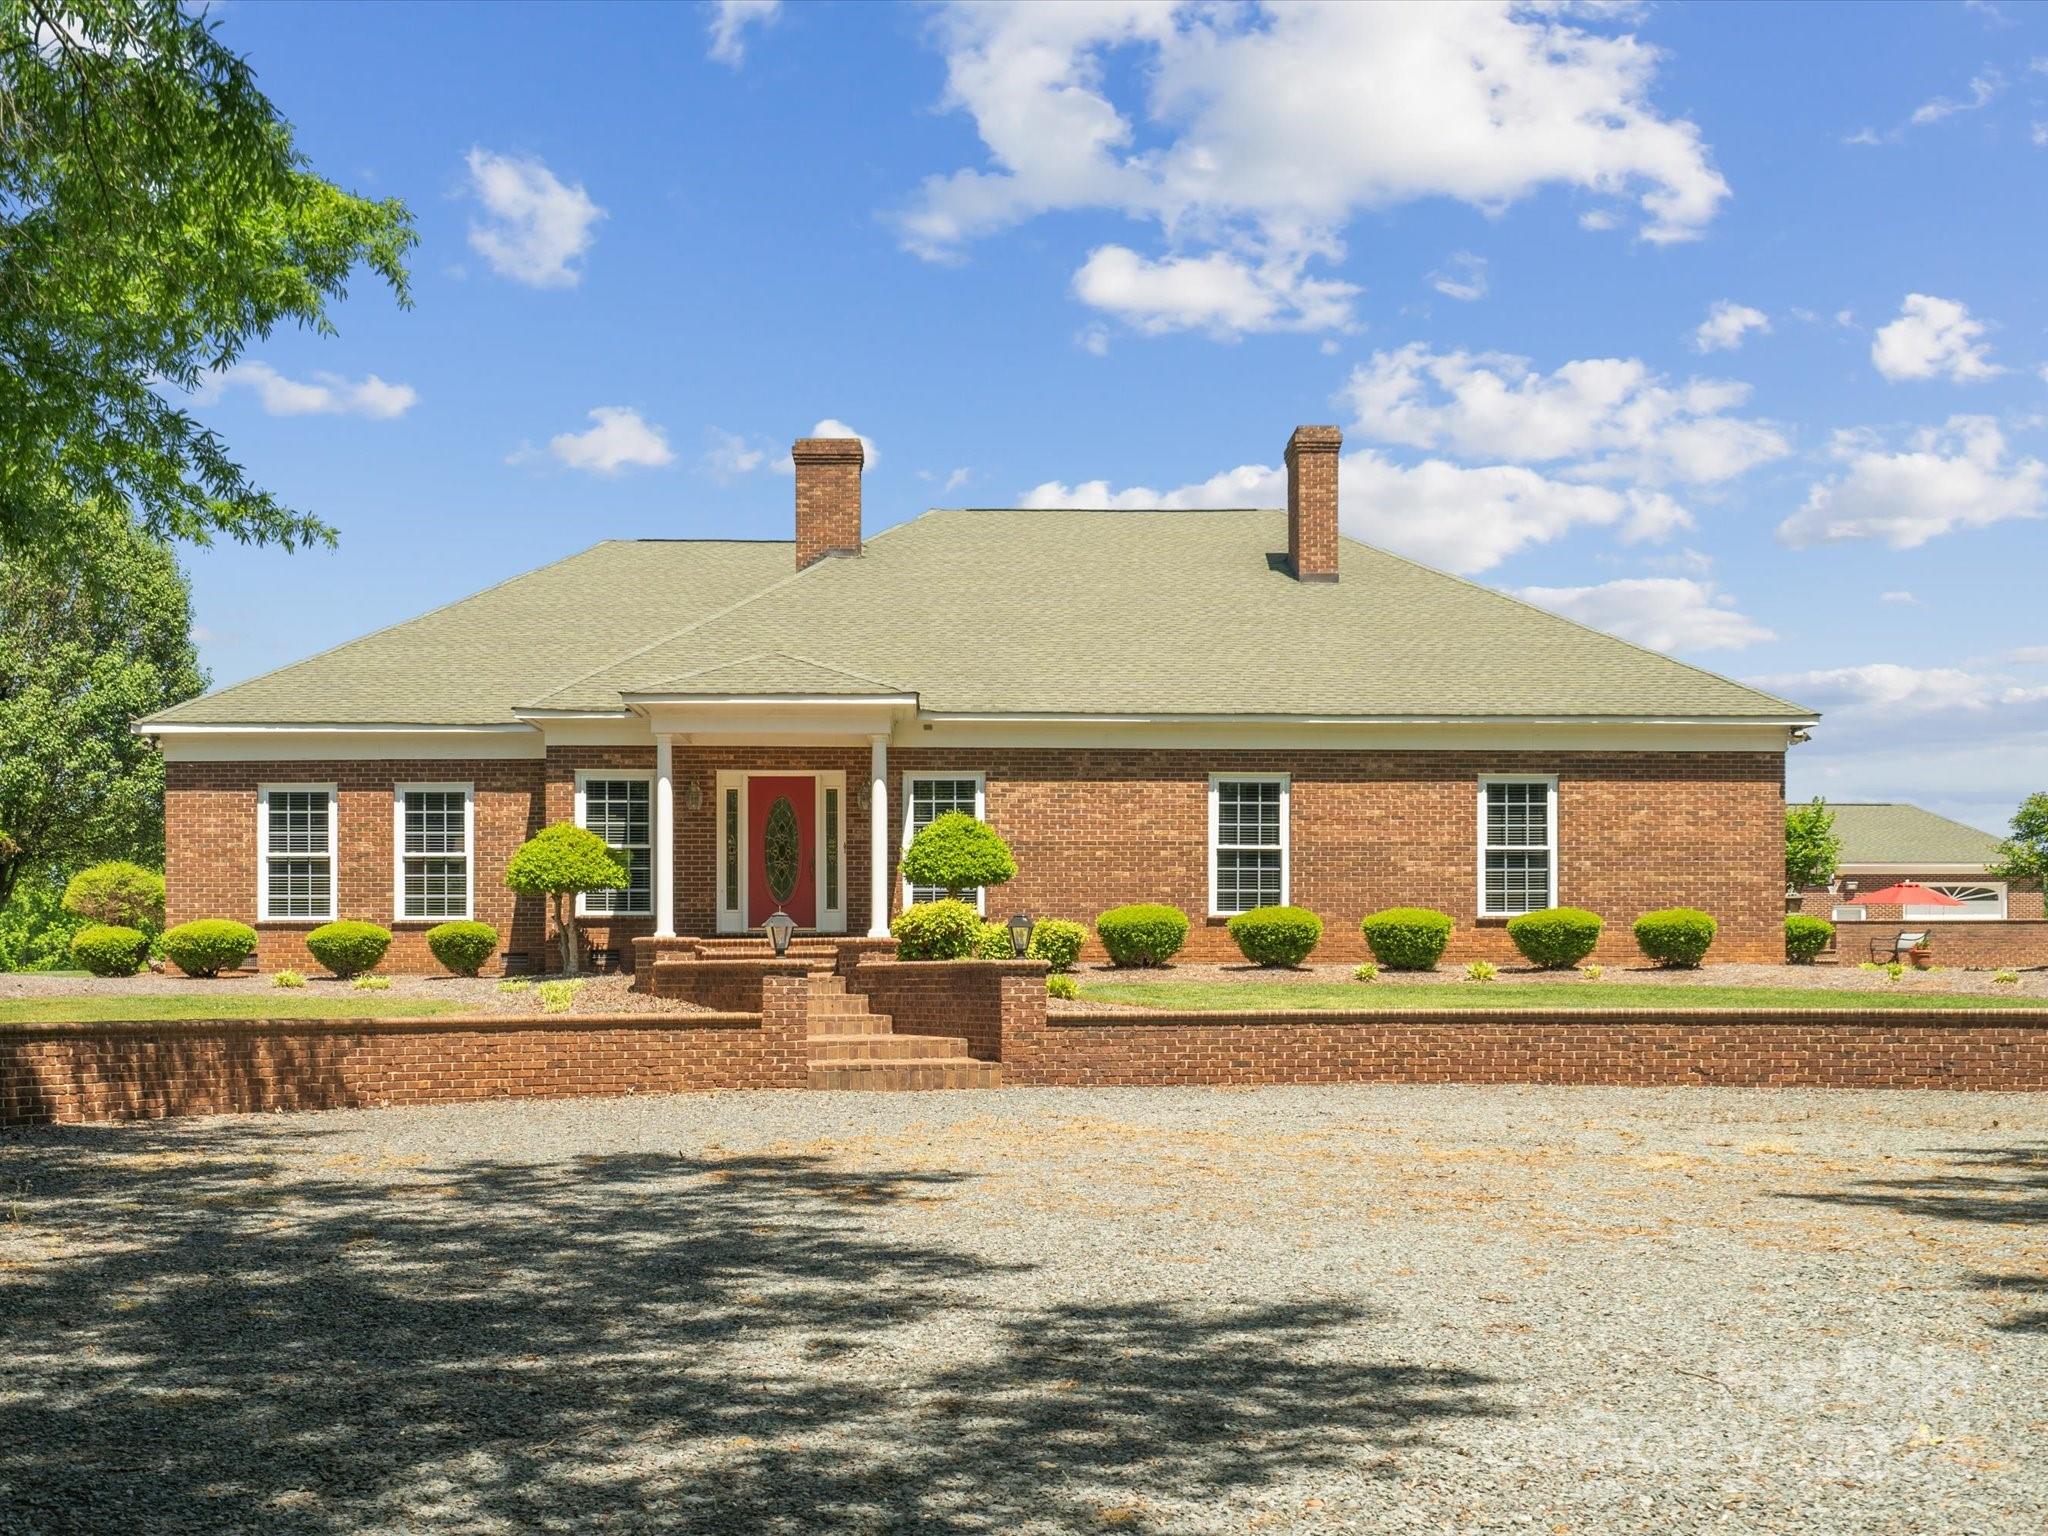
x: 1091, y: 828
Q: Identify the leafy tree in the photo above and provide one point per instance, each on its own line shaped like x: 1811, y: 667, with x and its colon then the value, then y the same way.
x: 561, y: 861
x: 86, y: 648
x: 1812, y: 848
x: 957, y: 853
x: 155, y: 218
x: 2024, y: 855
x: 35, y: 932
x: 117, y: 893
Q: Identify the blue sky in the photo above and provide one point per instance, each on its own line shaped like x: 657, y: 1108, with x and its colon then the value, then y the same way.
x: 1720, y: 327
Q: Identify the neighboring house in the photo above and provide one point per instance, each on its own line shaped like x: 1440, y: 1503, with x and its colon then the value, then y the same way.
x: 1888, y: 843
x: 1217, y: 709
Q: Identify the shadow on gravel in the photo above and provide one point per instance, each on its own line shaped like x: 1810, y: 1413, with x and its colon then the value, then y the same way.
x: 2007, y: 1186
x: 2006, y: 1288
x: 201, y: 1334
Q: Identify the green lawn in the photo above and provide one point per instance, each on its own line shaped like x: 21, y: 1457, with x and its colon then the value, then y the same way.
x: 270, y: 1003
x: 1260, y: 995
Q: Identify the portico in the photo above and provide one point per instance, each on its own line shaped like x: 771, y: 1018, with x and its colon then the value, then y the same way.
x: 782, y: 827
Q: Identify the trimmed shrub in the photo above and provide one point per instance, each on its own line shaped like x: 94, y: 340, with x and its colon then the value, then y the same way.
x: 1407, y: 938
x: 993, y: 943
x: 1677, y: 936
x: 559, y: 862
x: 209, y: 946
x: 1557, y: 938
x: 1806, y: 937
x: 937, y: 930
x: 349, y: 948
x: 463, y: 947
x: 117, y: 894
x: 1062, y: 987
x: 1144, y: 933
x: 1276, y: 935
x: 956, y: 853
x: 289, y: 980
x: 108, y: 950
x: 1058, y: 942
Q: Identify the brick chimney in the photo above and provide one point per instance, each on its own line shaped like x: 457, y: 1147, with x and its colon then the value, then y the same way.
x: 827, y: 497
x: 1312, y: 502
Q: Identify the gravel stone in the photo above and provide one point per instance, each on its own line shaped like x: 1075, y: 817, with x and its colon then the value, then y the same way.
x: 1345, y: 1309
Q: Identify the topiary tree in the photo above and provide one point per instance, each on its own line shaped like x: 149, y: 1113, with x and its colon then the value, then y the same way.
x: 118, y: 894
x: 1812, y: 847
x: 956, y: 853
x: 562, y: 861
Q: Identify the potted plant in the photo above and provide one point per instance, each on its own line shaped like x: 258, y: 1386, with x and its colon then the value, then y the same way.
x: 1921, y: 956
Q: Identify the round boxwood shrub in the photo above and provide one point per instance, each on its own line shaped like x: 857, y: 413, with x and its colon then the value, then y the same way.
x: 349, y: 948
x: 1676, y: 936
x: 993, y: 943
x: 1407, y: 938
x: 1144, y: 933
x: 117, y: 894
x: 1806, y: 937
x: 937, y: 930
x: 108, y: 950
x: 1276, y: 935
x: 463, y: 947
x: 1556, y: 938
x: 1057, y: 942
x: 209, y: 946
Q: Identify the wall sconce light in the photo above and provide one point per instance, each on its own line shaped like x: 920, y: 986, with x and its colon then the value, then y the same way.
x: 693, y: 795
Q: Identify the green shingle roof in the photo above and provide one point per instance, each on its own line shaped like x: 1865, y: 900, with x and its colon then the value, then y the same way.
x: 1894, y: 833
x: 1000, y: 612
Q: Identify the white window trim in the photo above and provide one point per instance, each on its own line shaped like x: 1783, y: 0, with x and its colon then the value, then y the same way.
x: 606, y: 775
x: 1850, y: 912
x: 1286, y: 783
x: 263, y: 794
x: 1549, y: 780
x: 909, y: 799
x: 398, y: 794
x: 1970, y: 911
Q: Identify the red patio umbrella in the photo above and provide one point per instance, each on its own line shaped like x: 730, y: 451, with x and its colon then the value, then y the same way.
x: 1909, y: 893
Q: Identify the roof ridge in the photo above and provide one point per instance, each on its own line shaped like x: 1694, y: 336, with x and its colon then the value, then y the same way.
x: 733, y: 607
x: 1521, y: 602
x: 418, y: 618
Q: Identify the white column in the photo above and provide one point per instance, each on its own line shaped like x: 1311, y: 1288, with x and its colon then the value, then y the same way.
x: 664, y: 836
x: 878, y: 837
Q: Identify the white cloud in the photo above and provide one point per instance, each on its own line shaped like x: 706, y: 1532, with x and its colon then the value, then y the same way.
x: 1932, y: 338
x: 1263, y: 131
x: 1608, y: 416
x: 729, y: 22
x: 1597, y: 219
x: 1905, y: 598
x: 1726, y: 325
x: 1460, y: 519
x: 620, y: 440
x: 730, y: 455
x: 1665, y: 613
x: 1890, y: 690
x: 535, y: 229
x: 1950, y: 477
x: 1984, y: 86
x: 1218, y: 293
x: 1465, y: 278
x: 1093, y: 339
x: 326, y: 395
x: 831, y: 427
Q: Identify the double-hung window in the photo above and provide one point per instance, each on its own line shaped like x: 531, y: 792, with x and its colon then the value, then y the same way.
x: 618, y: 807
x: 1517, y: 845
x: 435, y: 827
x: 295, y: 833
x: 926, y: 797
x: 1247, y: 842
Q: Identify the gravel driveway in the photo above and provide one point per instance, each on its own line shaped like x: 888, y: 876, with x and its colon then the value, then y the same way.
x: 1274, y: 1310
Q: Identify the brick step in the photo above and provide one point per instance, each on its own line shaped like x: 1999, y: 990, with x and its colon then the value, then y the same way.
x: 848, y: 1024
x: 830, y: 1049
x: 902, y: 1076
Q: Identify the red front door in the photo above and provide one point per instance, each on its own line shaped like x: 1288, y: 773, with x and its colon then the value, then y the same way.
x: 782, y: 849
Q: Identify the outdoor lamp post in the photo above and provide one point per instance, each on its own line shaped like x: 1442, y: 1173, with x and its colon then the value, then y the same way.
x: 779, y: 926
x: 1020, y: 933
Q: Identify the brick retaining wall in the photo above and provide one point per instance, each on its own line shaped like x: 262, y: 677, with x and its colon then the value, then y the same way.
x: 1917, y: 1048
x: 984, y: 1002
x: 1989, y: 945
x: 129, y: 1071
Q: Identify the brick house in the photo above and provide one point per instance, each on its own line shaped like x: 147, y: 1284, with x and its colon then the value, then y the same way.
x: 1218, y: 709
